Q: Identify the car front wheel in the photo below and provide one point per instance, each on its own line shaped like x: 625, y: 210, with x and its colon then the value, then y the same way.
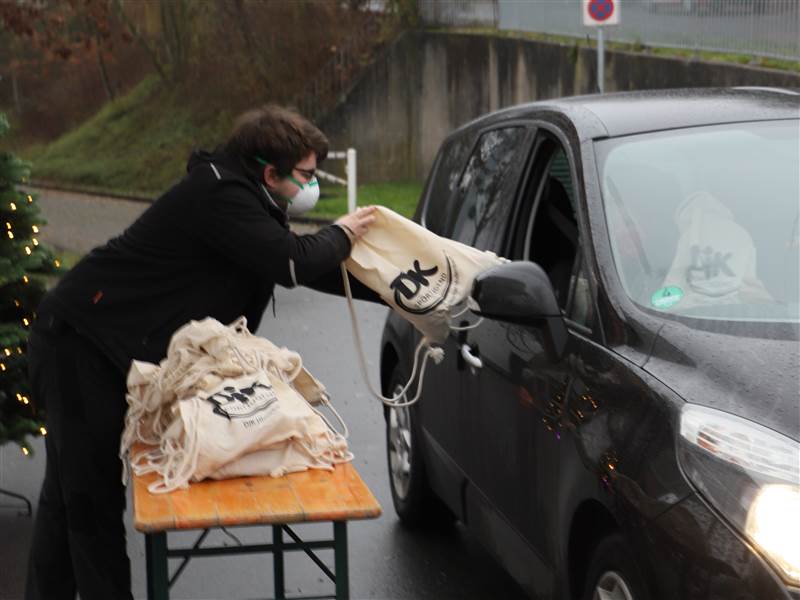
x: 414, y: 501
x: 613, y: 574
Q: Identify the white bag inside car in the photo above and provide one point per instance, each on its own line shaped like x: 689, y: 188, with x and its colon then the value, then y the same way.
x: 715, y: 261
x: 425, y: 278
x: 226, y: 403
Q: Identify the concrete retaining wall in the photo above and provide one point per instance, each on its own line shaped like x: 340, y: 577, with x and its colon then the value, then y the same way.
x: 427, y: 83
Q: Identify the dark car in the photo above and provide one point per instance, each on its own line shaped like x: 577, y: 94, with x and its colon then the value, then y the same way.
x: 625, y: 422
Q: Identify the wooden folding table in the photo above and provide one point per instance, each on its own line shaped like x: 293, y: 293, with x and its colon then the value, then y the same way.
x: 311, y: 496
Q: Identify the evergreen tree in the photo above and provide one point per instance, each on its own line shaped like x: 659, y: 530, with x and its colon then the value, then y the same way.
x: 23, y: 261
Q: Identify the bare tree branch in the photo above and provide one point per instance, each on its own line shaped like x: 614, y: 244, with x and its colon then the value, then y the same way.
x: 134, y: 30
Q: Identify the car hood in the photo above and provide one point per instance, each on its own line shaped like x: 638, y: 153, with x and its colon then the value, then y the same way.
x: 757, y: 378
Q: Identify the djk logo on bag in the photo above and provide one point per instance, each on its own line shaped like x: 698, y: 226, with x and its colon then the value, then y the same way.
x: 709, y: 272
x: 420, y: 290
x: 244, y: 402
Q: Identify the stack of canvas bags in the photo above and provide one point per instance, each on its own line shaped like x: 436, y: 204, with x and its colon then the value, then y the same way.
x: 225, y: 403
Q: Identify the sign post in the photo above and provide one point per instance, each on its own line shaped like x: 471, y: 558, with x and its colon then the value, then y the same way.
x: 599, y: 13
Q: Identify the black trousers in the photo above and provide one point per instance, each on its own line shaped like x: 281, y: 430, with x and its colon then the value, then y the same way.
x: 79, y: 534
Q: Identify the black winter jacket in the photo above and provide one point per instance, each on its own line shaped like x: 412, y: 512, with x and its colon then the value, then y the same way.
x: 213, y: 245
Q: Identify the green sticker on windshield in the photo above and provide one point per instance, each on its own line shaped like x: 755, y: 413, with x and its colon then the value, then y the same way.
x: 667, y: 297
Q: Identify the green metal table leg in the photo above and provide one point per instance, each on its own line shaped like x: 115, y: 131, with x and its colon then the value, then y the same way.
x: 277, y: 561
x: 157, y: 575
x: 340, y: 560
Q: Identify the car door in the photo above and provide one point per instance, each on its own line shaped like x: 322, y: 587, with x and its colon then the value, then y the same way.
x: 518, y: 392
x: 438, y: 411
x: 479, y: 218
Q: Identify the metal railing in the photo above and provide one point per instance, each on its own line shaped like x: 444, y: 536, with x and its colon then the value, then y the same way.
x: 768, y: 28
x: 329, y: 84
x: 459, y: 13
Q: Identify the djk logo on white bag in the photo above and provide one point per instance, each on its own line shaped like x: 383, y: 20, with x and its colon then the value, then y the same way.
x: 429, y: 294
x: 420, y: 290
x: 244, y: 402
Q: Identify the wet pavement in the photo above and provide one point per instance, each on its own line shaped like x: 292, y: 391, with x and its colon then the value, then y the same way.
x: 79, y: 222
x: 386, y: 560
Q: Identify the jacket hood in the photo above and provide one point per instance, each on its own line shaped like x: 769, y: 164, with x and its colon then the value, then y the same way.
x: 199, y: 157
x: 229, y: 167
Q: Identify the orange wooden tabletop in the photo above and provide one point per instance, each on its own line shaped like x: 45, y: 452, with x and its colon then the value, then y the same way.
x: 313, y: 495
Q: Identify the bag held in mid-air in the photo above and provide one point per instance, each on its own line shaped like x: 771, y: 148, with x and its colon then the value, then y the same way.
x: 424, y: 277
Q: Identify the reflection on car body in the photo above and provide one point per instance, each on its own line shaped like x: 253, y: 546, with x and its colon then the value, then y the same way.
x: 630, y: 424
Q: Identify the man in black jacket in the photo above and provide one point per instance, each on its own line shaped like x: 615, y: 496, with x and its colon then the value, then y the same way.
x: 213, y: 245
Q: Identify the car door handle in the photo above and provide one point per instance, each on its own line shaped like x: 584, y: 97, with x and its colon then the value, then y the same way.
x: 469, y: 358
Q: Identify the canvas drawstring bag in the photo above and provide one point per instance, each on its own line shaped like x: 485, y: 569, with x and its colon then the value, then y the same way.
x: 425, y: 278
x: 225, y: 403
x: 715, y: 259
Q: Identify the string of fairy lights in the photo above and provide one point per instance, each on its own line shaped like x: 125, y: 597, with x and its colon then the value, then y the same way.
x: 9, y: 352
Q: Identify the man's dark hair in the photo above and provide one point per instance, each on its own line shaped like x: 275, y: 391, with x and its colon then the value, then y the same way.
x: 279, y: 135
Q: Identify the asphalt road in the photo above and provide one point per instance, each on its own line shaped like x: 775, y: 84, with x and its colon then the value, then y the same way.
x: 386, y: 560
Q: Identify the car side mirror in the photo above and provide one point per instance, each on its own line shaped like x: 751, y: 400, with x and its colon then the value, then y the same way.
x: 520, y: 292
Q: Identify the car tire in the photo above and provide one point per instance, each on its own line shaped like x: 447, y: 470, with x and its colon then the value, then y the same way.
x: 414, y: 502
x: 613, y: 570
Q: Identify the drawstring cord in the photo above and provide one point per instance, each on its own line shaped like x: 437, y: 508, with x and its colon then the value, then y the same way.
x: 345, y: 433
x: 436, y: 353
x: 154, y: 416
x: 464, y: 327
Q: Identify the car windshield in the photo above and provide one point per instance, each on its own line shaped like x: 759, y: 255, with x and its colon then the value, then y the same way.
x: 703, y: 222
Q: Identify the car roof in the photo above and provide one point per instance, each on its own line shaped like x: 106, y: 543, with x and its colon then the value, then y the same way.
x: 626, y: 113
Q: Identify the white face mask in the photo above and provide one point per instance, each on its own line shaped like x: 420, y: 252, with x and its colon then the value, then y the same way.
x: 305, y: 199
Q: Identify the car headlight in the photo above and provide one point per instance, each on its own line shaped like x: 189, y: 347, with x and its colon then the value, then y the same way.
x: 751, y: 474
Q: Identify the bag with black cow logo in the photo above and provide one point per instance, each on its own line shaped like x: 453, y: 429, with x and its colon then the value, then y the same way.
x: 424, y: 277
x: 226, y: 403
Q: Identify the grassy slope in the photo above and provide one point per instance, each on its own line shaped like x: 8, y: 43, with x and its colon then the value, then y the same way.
x: 139, y: 144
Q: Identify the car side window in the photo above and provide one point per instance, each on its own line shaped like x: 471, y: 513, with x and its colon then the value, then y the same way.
x: 482, y: 207
x: 441, y: 195
x: 548, y: 232
x: 580, y: 308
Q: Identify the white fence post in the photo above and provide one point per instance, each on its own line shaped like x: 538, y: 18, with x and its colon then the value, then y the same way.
x: 351, y: 179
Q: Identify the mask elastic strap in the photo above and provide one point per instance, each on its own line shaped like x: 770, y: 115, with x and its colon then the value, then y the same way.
x: 311, y: 183
x: 271, y: 199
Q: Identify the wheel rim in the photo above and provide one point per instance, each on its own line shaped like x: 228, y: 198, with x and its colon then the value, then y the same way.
x: 400, y: 447
x: 611, y: 586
